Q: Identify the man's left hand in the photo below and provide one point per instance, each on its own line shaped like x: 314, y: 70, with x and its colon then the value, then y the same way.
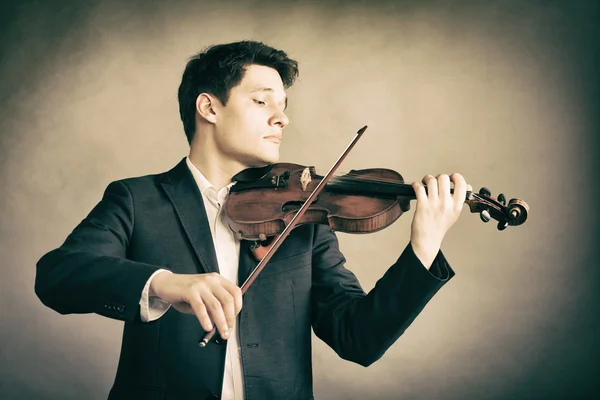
x: 436, y: 211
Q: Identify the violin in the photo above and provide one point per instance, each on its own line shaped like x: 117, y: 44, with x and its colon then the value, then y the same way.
x: 266, y: 203
x: 361, y: 201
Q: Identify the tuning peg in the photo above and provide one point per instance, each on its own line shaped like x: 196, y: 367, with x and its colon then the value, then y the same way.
x: 502, y: 199
x: 485, y: 191
x: 502, y: 225
x: 485, y: 216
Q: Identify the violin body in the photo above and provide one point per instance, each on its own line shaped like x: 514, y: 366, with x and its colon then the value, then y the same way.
x: 264, y: 207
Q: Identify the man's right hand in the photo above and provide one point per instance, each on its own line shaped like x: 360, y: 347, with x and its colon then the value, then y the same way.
x: 213, y: 299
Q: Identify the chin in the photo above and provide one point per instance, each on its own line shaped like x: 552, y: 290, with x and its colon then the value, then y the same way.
x: 270, y: 157
x: 263, y: 160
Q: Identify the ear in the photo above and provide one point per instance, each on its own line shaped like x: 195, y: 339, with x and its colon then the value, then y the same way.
x: 205, y: 107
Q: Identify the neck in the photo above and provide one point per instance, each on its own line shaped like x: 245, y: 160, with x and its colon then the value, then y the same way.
x: 217, y: 169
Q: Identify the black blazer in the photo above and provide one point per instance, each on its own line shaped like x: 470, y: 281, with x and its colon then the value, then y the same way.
x: 159, y: 221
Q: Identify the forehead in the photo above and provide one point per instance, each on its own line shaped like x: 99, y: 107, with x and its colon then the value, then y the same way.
x: 259, y: 76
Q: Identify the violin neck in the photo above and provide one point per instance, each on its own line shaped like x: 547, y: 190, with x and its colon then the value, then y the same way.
x: 351, y: 185
x: 372, y: 187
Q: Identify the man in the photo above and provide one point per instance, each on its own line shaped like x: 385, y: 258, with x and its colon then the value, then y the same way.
x: 157, y: 253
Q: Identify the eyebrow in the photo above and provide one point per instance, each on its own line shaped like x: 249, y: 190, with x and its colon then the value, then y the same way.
x: 267, y: 89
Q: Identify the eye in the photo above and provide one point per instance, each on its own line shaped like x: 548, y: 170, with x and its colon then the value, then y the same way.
x: 260, y: 102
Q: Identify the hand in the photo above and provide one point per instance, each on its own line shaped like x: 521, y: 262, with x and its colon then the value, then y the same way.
x: 213, y: 299
x: 436, y: 211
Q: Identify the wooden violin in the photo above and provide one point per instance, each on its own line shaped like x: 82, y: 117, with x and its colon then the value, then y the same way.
x: 264, y: 200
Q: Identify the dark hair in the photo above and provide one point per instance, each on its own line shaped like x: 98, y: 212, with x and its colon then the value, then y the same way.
x: 219, y: 68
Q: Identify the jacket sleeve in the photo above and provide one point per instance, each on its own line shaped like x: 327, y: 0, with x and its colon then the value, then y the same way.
x: 361, y: 327
x: 90, y: 273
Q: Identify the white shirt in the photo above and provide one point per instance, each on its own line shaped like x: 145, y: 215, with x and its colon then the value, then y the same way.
x: 227, y: 249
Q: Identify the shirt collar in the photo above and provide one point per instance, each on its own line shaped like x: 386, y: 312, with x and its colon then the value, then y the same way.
x: 201, y: 181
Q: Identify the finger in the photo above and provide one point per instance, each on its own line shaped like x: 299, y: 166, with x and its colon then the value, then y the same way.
x: 432, y: 187
x: 215, y: 310
x: 443, y: 182
x: 235, y: 292
x: 420, y: 192
x: 460, y: 189
x: 426, y: 178
x: 227, y: 304
x: 201, y: 313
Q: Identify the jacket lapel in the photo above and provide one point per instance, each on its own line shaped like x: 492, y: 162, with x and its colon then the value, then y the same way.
x: 182, y: 190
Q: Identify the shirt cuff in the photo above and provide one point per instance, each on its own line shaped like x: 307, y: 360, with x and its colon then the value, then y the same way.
x: 152, y: 307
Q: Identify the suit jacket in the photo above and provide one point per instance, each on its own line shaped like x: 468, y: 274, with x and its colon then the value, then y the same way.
x: 159, y: 221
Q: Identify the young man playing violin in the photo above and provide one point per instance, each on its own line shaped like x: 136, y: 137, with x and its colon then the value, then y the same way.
x: 157, y: 253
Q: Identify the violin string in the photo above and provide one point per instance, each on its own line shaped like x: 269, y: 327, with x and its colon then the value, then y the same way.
x: 388, y: 181
x: 366, y: 179
x: 363, y: 178
x: 391, y: 182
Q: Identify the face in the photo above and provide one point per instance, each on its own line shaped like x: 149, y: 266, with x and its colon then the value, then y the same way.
x: 249, y: 128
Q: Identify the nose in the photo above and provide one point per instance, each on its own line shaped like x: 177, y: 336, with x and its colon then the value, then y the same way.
x: 279, y: 119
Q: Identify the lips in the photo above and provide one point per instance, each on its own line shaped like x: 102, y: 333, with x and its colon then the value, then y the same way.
x: 274, y: 138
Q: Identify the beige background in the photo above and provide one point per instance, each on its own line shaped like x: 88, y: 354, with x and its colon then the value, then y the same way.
x: 503, y: 92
